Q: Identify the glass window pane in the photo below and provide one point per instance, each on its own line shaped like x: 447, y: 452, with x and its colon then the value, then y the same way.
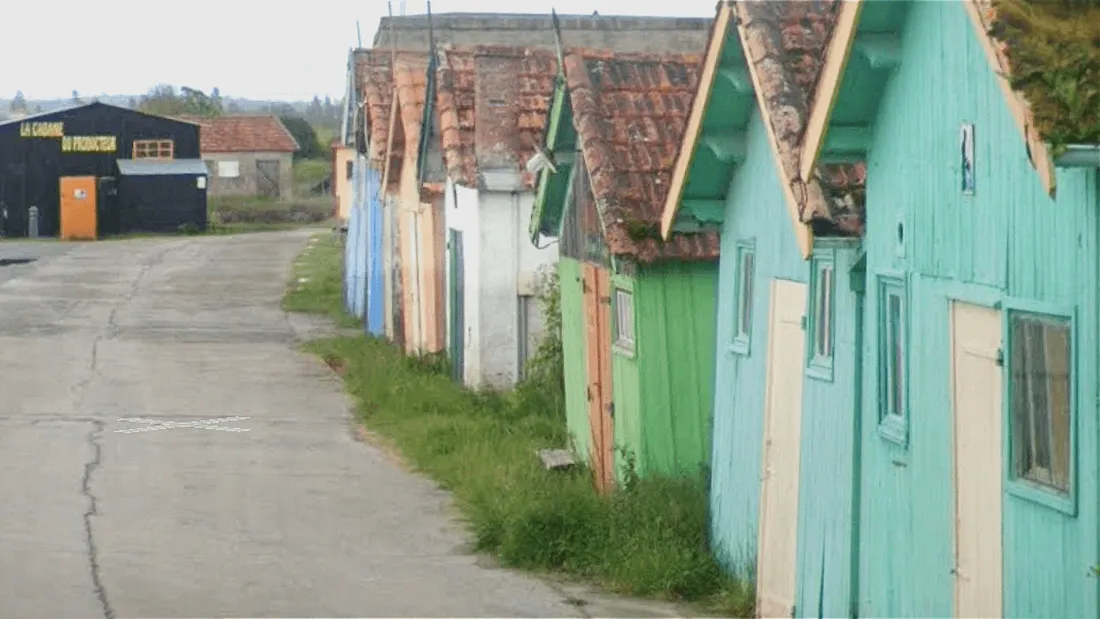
x: 823, y: 346
x: 746, y: 292
x: 896, y: 355
x: 1042, y: 400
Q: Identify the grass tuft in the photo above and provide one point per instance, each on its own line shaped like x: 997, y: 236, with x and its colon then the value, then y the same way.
x: 322, y: 292
x: 647, y: 539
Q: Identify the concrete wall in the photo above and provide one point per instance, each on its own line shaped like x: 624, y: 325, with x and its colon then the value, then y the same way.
x: 502, y: 272
x: 621, y: 33
x: 245, y: 184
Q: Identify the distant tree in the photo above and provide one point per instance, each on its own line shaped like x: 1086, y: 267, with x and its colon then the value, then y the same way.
x: 315, y: 107
x: 19, y: 103
x: 165, y: 100
x: 233, y: 107
x: 133, y: 103
x: 198, y: 103
x: 306, y: 136
x: 76, y: 97
x: 38, y: 109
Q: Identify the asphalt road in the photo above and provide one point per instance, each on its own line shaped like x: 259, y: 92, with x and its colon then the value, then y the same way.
x: 291, y: 518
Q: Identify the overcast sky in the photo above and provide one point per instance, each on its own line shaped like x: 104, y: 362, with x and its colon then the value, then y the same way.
x: 259, y: 49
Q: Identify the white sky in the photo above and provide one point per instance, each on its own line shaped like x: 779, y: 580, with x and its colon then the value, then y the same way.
x: 259, y: 49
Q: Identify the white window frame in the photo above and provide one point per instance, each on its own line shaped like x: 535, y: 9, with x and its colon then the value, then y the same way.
x: 623, y: 305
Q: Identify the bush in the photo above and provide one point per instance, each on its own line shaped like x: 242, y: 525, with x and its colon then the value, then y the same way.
x: 266, y: 211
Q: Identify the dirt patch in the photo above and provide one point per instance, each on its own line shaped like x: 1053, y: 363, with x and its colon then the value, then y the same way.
x: 337, y: 364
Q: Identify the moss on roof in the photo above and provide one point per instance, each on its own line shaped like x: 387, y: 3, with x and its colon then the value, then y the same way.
x: 1053, y: 47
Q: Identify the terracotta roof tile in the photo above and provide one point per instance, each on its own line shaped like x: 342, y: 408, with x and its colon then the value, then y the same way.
x: 787, y: 42
x: 239, y: 134
x: 630, y: 112
x: 410, y: 84
x: 493, y: 104
x: 374, y: 78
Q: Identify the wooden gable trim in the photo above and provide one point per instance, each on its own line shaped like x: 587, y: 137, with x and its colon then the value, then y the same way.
x: 695, y: 121
x: 1038, y: 153
x: 802, y: 231
x: 828, y: 85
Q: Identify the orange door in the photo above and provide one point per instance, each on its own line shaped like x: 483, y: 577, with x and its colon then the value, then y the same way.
x: 78, y: 208
x: 597, y: 309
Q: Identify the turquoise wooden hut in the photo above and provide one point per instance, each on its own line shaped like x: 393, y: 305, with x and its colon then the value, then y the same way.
x: 637, y: 311
x: 783, y: 484
x: 978, y: 435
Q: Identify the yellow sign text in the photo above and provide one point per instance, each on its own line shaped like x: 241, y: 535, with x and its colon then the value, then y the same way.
x: 89, y: 144
x: 41, y: 130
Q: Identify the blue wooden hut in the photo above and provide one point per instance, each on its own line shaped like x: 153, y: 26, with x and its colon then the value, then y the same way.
x: 978, y: 436
x: 783, y: 486
x: 364, y: 287
x: 363, y: 248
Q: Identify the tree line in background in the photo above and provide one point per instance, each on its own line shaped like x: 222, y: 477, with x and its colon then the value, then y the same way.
x: 303, y: 122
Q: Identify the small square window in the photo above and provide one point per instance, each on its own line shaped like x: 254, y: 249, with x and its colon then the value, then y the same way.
x: 893, y: 360
x: 624, y: 320
x: 229, y: 169
x: 350, y: 169
x: 746, y: 273
x: 820, y: 332
x: 1041, y: 400
x: 153, y: 149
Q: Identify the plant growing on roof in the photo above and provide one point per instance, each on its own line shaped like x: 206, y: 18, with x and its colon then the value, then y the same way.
x: 1054, y: 50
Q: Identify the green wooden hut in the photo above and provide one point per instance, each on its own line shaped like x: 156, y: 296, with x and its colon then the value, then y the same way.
x: 637, y: 312
x: 978, y: 438
x: 783, y: 482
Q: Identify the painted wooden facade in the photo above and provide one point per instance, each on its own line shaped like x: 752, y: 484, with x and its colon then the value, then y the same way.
x: 978, y: 435
x: 783, y: 482
x: 638, y: 313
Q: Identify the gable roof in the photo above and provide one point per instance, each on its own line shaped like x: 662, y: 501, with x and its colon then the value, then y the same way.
x: 410, y: 80
x: 629, y: 113
x: 1043, y: 54
x: 90, y: 104
x: 374, y: 72
x: 493, y: 104
x: 244, y: 134
x: 776, y: 57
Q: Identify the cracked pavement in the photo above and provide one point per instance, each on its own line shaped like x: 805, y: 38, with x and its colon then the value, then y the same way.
x: 293, y: 518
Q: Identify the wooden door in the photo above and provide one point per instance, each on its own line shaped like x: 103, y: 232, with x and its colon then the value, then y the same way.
x: 78, y: 208
x: 267, y: 178
x: 458, y: 307
x: 776, y: 552
x: 976, y: 394
x: 597, y: 311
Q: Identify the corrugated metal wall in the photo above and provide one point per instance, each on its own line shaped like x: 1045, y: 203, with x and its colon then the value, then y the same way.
x: 1009, y: 241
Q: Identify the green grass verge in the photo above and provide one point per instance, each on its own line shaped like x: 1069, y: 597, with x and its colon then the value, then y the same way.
x: 647, y: 539
x: 322, y: 292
